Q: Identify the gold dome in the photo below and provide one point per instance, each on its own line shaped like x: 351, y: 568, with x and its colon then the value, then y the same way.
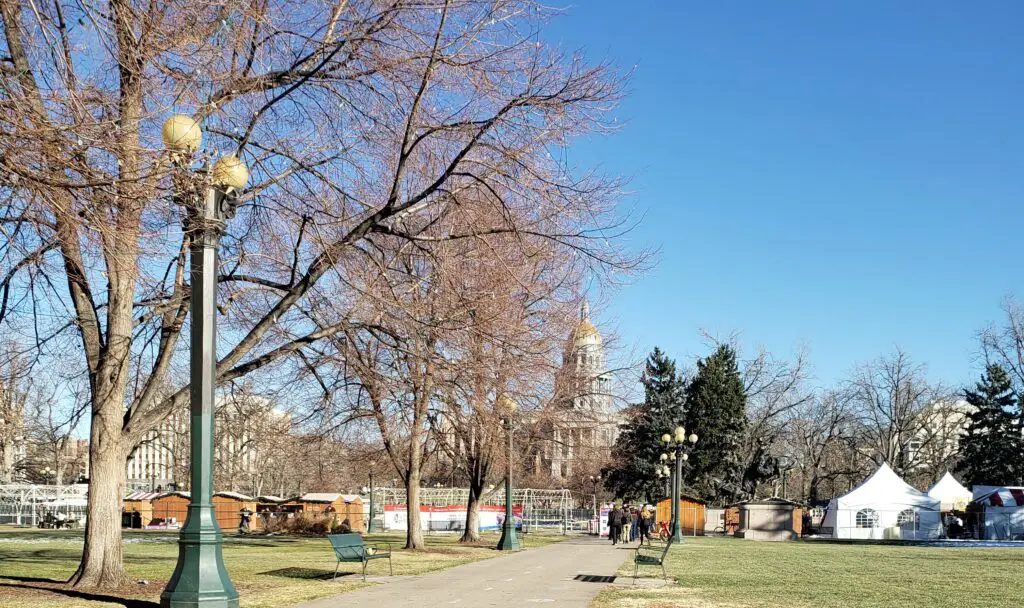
x: 584, y: 333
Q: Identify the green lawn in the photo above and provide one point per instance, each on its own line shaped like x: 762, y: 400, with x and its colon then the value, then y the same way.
x: 731, y: 573
x: 268, y: 572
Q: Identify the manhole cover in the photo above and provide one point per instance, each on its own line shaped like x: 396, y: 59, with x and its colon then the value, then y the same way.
x: 594, y: 578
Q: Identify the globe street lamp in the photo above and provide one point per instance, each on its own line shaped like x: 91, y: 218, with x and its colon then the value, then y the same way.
x: 508, y: 540
x: 209, y: 198
x: 678, y: 445
x: 369, y: 526
x: 47, y: 473
x: 596, y: 479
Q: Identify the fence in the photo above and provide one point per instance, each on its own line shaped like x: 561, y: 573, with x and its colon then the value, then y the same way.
x: 994, y: 524
x: 47, y: 506
x: 443, y: 509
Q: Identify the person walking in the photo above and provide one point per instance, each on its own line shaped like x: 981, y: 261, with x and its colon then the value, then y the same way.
x: 626, y: 524
x: 644, y: 524
x: 614, y: 525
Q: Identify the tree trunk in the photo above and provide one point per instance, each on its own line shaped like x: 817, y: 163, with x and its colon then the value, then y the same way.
x: 472, y: 532
x: 102, y: 565
x: 413, y: 534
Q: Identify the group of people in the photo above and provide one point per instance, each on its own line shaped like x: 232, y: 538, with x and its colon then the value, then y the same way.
x: 627, y: 524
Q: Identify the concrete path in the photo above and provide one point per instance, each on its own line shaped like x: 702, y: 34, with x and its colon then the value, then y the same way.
x: 546, y: 575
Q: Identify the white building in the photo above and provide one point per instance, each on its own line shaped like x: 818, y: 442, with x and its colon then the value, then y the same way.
x: 582, y: 427
x: 937, y: 441
x: 244, y: 424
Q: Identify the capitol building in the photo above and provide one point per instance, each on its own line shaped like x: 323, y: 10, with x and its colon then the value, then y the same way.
x: 580, y: 428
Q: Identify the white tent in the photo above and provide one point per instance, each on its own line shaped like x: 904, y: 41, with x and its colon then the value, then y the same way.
x: 951, y: 494
x: 884, y: 506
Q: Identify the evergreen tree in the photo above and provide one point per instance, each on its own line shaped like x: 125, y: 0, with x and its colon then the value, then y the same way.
x: 992, y: 447
x: 716, y: 409
x: 636, y: 451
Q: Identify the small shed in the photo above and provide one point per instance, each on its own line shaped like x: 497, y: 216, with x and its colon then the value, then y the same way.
x: 137, y: 511
x: 691, y: 514
x: 227, y: 507
x: 170, y: 509
x: 342, y: 506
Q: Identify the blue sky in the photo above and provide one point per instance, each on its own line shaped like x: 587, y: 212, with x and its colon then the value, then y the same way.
x: 839, y: 174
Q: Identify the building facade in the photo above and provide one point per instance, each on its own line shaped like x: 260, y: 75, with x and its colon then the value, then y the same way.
x: 248, y: 428
x: 581, y: 427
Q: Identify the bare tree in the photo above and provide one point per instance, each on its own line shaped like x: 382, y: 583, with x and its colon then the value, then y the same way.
x: 1004, y: 343
x: 888, y: 396
x: 368, y: 119
x: 14, y: 396
x: 820, y: 437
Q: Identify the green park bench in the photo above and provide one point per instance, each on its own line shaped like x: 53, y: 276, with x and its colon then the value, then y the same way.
x: 351, y: 548
x: 655, y: 556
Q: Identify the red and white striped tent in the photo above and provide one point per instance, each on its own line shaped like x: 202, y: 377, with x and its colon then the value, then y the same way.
x: 1003, y: 497
x: 1003, y: 513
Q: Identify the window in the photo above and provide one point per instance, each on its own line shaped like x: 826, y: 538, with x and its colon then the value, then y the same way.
x: 907, y: 517
x: 867, y: 518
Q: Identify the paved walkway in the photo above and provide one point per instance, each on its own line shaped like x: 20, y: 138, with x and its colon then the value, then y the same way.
x: 537, y: 576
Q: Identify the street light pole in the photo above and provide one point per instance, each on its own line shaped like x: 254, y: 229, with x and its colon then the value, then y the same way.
x: 369, y: 526
x: 678, y: 445
x: 508, y: 540
x: 200, y: 578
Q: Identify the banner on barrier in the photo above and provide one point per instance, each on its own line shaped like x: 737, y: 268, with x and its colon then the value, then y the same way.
x: 449, y: 518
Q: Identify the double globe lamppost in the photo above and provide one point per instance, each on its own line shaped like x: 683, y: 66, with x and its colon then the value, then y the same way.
x: 209, y: 197
x: 508, y: 541
x: 677, y: 445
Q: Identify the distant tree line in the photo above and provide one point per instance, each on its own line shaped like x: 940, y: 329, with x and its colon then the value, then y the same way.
x: 765, y: 430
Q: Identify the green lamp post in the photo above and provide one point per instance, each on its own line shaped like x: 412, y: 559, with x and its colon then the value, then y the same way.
x: 369, y: 526
x: 508, y: 541
x: 678, y: 445
x: 209, y: 198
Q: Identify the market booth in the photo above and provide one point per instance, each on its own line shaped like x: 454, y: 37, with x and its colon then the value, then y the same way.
x: 170, y: 509
x: 691, y: 514
x: 138, y: 509
x: 227, y: 508
x: 883, y: 507
x: 342, y: 506
x: 998, y: 514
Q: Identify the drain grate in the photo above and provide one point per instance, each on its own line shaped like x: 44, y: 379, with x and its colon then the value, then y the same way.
x: 594, y: 578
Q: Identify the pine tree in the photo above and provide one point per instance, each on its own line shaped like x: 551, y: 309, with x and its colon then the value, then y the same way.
x: 992, y: 447
x: 716, y: 410
x: 636, y: 451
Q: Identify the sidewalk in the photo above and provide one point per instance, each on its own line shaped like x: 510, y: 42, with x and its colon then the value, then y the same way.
x: 526, y: 578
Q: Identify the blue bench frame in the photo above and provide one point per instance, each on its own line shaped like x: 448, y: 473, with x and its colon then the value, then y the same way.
x: 351, y: 548
x: 656, y: 558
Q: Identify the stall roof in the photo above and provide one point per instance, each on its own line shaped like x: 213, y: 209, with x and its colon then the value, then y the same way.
x: 270, y: 498
x: 142, y: 495
x: 319, y: 497
x: 234, y: 495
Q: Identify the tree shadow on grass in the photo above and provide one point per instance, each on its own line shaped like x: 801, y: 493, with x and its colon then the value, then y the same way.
x: 82, y: 595
x: 309, y: 574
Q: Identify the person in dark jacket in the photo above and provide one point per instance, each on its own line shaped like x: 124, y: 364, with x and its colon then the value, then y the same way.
x: 615, y: 525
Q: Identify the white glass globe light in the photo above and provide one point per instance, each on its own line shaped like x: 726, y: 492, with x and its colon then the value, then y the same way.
x: 230, y: 172
x: 182, y: 134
